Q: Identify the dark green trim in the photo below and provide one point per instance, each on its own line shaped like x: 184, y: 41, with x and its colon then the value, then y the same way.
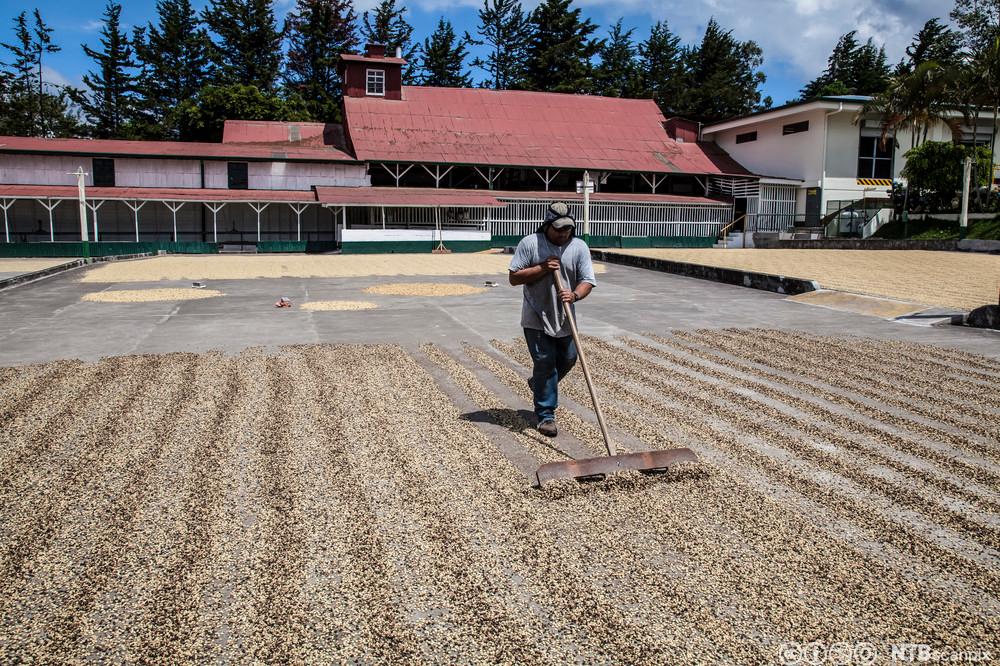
x: 77, y: 249
x: 411, y: 247
x: 309, y: 247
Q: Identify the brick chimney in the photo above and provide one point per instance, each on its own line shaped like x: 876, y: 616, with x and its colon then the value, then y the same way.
x: 373, y: 74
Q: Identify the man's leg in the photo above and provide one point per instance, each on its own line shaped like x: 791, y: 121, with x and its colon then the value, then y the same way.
x: 545, y: 375
x: 566, y: 350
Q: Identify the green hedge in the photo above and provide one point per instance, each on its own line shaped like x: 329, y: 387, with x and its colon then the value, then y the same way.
x: 75, y: 249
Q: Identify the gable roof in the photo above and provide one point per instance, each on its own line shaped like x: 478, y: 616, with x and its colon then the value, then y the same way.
x: 524, y: 129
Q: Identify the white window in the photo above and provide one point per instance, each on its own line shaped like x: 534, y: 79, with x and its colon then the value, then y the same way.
x: 376, y: 82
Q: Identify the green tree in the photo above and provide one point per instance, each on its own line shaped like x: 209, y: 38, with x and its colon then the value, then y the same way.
x: 724, y: 77
x: 560, y: 50
x: 33, y: 107
x: 981, y: 85
x: 936, y: 42
x: 248, y: 48
x: 318, y: 32
x: 852, y: 69
x: 174, y: 60
x: 387, y: 25
x: 661, y: 67
x: 979, y: 21
x: 110, y: 103
x: 203, y: 117
x: 442, y: 59
x: 506, y: 30
x: 618, y: 73
x: 934, y: 169
x: 915, y: 102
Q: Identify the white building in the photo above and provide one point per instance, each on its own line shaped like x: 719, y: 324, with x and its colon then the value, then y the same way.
x: 831, y: 154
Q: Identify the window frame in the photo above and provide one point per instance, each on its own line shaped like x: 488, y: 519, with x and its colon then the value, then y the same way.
x: 374, y: 77
x: 746, y: 137
x: 234, y: 184
x: 795, y: 128
x: 873, y: 160
x: 104, y: 182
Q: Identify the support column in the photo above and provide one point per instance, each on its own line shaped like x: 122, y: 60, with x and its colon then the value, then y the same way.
x: 49, y: 206
x: 173, y: 209
x: 299, y: 209
x: 6, y: 204
x: 215, y: 208
x: 94, y: 206
x: 259, y: 211
x: 136, y: 206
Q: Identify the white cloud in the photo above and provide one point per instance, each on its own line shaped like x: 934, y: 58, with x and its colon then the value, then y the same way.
x: 795, y: 34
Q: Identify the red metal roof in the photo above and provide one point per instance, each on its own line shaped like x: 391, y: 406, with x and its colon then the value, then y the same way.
x: 154, y: 194
x: 530, y: 129
x: 312, y: 135
x: 396, y: 197
x: 176, y: 149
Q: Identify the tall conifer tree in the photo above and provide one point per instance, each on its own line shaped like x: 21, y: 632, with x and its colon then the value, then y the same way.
x: 247, y: 50
x: 661, y: 66
x: 560, y: 51
x: 618, y: 73
x: 724, y: 77
x: 110, y: 102
x: 442, y: 59
x: 318, y: 32
x: 173, y: 55
x: 506, y: 31
x: 852, y: 69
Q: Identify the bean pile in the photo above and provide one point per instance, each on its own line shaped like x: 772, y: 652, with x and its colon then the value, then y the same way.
x: 338, y: 305
x: 149, y: 295
x: 962, y: 280
x: 423, y: 289
x: 363, y: 503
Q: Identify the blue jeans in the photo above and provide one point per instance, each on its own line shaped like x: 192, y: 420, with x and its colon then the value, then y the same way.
x: 553, y: 359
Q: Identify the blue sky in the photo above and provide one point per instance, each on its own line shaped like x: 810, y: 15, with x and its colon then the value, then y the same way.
x: 796, y: 35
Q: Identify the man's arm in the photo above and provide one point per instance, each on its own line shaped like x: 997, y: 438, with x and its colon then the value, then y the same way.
x: 581, y: 292
x: 533, y: 273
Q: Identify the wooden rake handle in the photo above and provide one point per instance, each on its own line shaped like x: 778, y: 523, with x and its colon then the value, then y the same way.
x: 612, y: 451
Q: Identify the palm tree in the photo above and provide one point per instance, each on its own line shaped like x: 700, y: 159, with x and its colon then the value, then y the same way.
x: 984, y: 72
x: 916, y: 101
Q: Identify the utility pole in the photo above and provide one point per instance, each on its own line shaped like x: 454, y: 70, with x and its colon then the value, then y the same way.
x: 82, y: 189
x: 963, y: 223
x: 584, y: 187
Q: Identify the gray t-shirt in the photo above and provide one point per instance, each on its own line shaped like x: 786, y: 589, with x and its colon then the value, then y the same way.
x: 541, y: 309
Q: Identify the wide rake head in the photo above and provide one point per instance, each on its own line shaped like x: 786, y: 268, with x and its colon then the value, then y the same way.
x: 595, y: 469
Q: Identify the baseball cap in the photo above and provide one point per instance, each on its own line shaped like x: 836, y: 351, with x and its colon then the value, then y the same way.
x: 558, y: 216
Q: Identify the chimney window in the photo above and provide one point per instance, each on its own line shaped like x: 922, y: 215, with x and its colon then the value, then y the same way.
x: 376, y: 82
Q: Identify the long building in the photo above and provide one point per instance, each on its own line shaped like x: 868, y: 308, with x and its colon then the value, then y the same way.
x: 409, y: 164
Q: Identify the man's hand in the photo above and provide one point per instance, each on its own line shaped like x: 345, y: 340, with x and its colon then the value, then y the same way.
x: 567, y: 296
x: 551, y: 264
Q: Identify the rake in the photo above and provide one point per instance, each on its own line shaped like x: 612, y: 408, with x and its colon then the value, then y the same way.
x: 595, y: 469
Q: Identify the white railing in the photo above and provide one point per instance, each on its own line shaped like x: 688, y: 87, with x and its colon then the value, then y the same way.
x: 522, y: 217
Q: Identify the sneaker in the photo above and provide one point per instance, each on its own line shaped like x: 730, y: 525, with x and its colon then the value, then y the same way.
x: 548, y: 428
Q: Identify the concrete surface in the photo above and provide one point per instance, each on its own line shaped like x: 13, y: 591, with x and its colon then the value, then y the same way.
x: 46, y: 320
x: 868, y: 305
